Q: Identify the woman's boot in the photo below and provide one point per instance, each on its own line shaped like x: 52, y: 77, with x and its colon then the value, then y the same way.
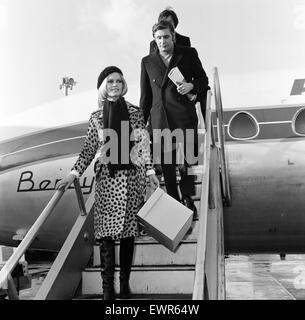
x: 126, y: 255
x: 107, y: 267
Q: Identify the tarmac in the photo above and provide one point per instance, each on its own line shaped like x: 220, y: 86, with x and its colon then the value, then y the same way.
x: 265, y: 277
x: 248, y: 277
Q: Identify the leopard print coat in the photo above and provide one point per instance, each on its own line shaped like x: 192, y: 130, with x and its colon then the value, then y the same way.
x: 117, y: 199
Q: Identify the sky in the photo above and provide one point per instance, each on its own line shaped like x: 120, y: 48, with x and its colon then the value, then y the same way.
x: 252, y: 42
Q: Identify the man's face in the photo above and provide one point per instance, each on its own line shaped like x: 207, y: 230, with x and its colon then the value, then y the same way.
x: 164, y: 40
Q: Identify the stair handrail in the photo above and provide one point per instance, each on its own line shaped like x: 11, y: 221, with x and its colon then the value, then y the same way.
x: 199, y: 277
x: 9, y: 266
x: 221, y: 137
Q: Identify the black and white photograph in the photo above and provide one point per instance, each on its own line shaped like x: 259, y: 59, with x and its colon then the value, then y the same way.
x: 152, y: 152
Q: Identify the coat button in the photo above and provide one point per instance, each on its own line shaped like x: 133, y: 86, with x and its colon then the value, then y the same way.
x: 154, y: 80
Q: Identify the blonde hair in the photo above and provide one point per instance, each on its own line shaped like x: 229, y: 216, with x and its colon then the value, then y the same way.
x: 102, y: 91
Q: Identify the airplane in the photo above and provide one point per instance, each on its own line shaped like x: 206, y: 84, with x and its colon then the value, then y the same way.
x: 264, y: 144
x: 264, y: 147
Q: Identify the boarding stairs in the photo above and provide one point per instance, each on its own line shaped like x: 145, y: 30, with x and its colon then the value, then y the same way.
x: 194, y: 271
x: 156, y: 272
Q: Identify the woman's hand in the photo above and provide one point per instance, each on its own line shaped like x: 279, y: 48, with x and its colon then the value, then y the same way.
x: 66, y: 182
x: 153, y: 181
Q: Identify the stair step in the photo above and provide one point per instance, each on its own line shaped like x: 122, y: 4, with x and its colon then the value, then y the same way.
x: 195, y: 171
x: 197, y: 189
x: 150, y: 252
x: 145, y: 280
x: 157, y: 272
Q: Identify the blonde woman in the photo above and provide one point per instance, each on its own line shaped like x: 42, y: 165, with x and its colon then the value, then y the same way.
x: 120, y: 184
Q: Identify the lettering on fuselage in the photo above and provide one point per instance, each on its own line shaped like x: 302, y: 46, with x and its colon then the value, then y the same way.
x: 28, y: 183
x: 298, y: 87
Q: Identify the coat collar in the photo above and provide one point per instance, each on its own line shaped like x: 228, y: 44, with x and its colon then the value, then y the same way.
x: 156, y: 59
x: 173, y: 63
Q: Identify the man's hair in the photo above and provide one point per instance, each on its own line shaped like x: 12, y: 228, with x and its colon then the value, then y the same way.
x: 161, y: 25
x: 168, y: 12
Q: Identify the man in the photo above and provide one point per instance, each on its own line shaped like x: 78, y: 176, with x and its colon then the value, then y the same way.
x: 169, y: 15
x: 169, y: 106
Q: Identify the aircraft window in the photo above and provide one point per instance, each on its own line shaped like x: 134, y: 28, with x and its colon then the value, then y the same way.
x: 243, y: 126
x: 298, y: 122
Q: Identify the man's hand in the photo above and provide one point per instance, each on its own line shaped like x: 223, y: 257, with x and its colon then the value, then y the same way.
x: 185, y: 87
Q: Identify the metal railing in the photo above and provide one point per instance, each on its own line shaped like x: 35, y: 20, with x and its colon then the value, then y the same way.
x: 199, y: 279
x: 209, y: 278
x: 5, y: 273
x: 221, y: 140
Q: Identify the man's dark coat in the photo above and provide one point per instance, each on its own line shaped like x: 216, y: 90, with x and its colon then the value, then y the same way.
x: 159, y: 96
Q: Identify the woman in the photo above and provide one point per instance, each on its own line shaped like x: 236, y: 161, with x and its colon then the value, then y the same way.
x: 120, y: 184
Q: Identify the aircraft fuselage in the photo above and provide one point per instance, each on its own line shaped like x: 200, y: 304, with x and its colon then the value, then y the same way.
x: 266, y: 179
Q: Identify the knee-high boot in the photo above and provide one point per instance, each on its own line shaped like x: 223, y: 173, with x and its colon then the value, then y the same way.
x: 126, y: 255
x: 107, y: 267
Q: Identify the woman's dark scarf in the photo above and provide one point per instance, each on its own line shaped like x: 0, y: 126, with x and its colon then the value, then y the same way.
x: 114, y: 112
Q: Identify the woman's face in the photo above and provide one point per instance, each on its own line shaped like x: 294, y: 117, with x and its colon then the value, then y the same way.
x: 114, y: 85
